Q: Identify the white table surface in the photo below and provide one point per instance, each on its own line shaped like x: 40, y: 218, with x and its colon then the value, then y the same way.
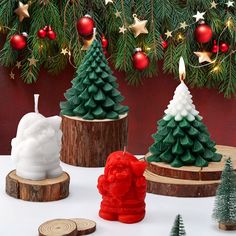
x: 22, y: 218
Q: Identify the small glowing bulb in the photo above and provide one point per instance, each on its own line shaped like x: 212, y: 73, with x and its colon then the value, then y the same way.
x: 216, y: 68
x: 180, y: 37
x: 148, y: 49
x: 228, y: 23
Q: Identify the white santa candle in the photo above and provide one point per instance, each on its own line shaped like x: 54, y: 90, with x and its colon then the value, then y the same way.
x: 36, y: 147
x: 182, y: 104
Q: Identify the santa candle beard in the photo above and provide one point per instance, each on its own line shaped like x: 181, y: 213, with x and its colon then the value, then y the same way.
x: 36, y: 147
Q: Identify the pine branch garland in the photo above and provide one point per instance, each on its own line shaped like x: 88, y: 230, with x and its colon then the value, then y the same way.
x: 161, y: 16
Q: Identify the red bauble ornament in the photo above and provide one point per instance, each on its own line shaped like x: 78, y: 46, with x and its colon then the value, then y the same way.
x: 18, y: 41
x: 203, y: 33
x: 51, y: 34
x: 224, y: 47
x: 140, y: 60
x: 123, y: 188
x: 104, y: 42
x: 164, y: 44
x: 42, y: 33
x: 215, y: 48
x: 85, y: 26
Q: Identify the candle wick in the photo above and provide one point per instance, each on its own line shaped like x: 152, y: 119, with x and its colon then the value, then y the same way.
x: 36, y: 101
x: 124, y: 151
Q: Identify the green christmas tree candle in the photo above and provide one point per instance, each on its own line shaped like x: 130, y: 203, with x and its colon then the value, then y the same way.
x: 182, y: 138
x: 94, y: 93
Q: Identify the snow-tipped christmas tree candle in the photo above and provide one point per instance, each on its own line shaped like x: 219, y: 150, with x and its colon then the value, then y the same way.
x: 37, y: 145
x: 182, y: 139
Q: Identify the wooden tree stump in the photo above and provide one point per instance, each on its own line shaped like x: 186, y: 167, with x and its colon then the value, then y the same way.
x: 227, y: 227
x: 88, y: 143
x: 37, y: 191
x: 187, y: 181
x: 84, y: 226
x: 58, y: 227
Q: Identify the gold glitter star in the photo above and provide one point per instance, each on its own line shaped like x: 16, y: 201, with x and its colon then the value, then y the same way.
x: 64, y: 51
x: 199, y: 16
x: 117, y: 14
x: 183, y: 25
x: 12, y: 75
x: 213, y: 4
x: 18, y: 64
x: 203, y: 57
x: 108, y: 1
x: 22, y: 11
x: 168, y: 34
x: 32, y: 61
x: 122, y: 29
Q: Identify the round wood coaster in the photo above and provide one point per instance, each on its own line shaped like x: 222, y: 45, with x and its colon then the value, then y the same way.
x: 187, y: 181
x: 88, y: 143
x: 84, y: 226
x: 37, y: 191
x: 212, y: 172
x: 58, y: 227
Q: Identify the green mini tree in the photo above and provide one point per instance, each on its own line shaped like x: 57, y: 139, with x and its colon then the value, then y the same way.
x: 182, y: 139
x: 225, y: 203
x: 178, y: 227
x: 94, y: 93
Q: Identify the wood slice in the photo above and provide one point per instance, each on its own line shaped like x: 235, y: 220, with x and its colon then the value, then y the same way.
x: 227, y: 227
x: 37, y: 191
x: 88, y: 143
x: 212, y: 172
x: 84, y: 226
x: 58, y: 227
x: 179, y: 187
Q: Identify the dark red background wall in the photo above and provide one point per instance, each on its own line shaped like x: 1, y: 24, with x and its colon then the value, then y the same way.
x: 147, y: 104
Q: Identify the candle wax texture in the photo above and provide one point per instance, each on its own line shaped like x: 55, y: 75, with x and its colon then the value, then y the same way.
x: 123, y: 188
x: 182, y: 139
x: 94, y: 93
x: 36, y: 147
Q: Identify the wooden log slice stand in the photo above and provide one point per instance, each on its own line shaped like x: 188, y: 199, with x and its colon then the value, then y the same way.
x: 227, y: 227
x: 84, y: 226
x: 187, y: 181
x: 88, y: 143
x: 37, y: 191
x: 58, y: 227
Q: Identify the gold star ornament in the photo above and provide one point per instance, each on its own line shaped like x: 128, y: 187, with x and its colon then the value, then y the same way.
x: 22, y: 11
x: 204, y: 57
x: 139, y: 26
x: 32, y: 61
x: 12, y: 75
x: 64, y: 51
x: 108, y: 1
x: 122, y: 29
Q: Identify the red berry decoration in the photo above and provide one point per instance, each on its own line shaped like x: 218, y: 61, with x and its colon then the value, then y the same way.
x: 224, y: 47
x: 51, y: 34
x: 164, y: 44
x: 104, y: 42
x: 203, y: 33
x: 18, y: 41
x: 42, y: 33
x: 140, y: 60
x: 85, y: 26
x: 215, y: 48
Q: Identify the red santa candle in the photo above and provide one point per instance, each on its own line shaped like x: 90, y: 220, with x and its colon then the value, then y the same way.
x: 123, y: 188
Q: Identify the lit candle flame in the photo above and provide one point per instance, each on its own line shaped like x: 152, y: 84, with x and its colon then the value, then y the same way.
x: 182, y: 72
